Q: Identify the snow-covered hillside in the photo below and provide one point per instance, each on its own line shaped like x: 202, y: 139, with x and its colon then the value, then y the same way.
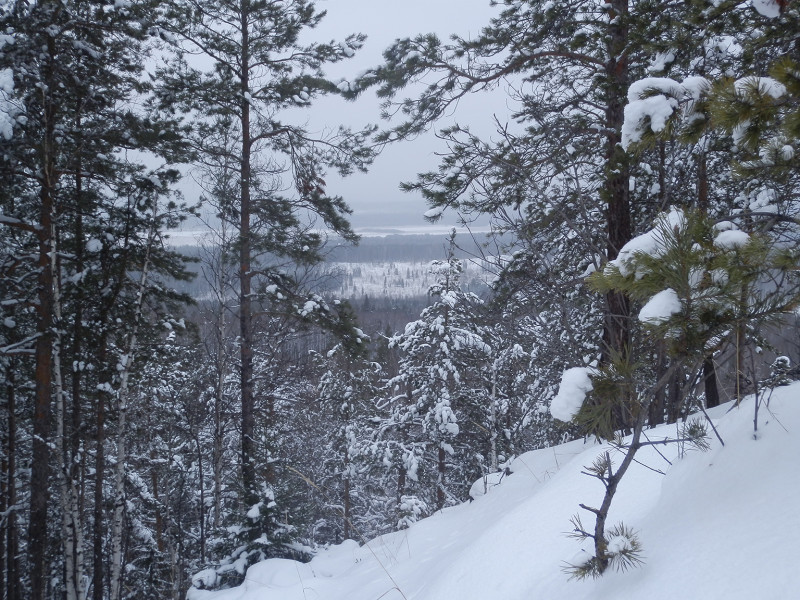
x: 719, y: 525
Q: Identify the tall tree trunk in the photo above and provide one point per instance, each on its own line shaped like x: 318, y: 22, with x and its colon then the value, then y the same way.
x: 709, y: 369
x: 201, y: 478
x: 70, y: 525
x: 4, y: 478
x: 159, y: 517
x: 710, y: 381
x: 493, y: 463
x: 440, y: 481
x: 122, y: 411
x: 98, y: 555
x: 217, y: 458
x: 11, y: 562
x: 615, y: 194
x: 40, y: 465
x: 675, y: 398
x: 401, y: 489
x: 250, y: 492
x: 220, y: 365
x: 658, y: 405
x: 616, y: 335
x: 346, y: 498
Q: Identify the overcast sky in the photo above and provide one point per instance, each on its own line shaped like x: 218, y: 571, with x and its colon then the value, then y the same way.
x: 378, y: 204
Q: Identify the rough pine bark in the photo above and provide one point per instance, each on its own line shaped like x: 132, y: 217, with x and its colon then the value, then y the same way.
x: 347, y: 502
x: 250, y: 494
x: 40, y: 464
x: 616, y: 335
x: 709, y: 369
x: 441, y: 467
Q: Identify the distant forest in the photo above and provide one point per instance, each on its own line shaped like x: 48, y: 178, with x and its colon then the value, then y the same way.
x: 384, y: 249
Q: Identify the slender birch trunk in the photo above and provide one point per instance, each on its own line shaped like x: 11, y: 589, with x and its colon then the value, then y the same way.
x: 70, y: 520
x: 12, y: 559
x: 493, y: 421
x: 219, y: 384
x: 122, y: 407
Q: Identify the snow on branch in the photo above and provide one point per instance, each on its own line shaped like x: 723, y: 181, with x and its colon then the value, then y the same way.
x: 767, y: 8
x: 651, y: 242
x: 654, y: 101
x: 576, y: 383
x: 660, y: 307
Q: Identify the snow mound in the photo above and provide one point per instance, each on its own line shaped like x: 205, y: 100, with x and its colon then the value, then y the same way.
x: 720, y: 524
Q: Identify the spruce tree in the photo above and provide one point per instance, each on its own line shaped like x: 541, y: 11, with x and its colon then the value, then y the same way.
x: 440, y: 354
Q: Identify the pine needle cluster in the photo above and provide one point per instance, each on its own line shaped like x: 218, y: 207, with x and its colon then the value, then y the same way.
x: 623, y: 551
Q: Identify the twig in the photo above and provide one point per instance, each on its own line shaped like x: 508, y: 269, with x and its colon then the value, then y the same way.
x: 656, y: 449
x: 710, y: 422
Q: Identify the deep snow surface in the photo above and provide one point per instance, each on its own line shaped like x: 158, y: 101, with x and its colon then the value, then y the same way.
x: 722, y: 524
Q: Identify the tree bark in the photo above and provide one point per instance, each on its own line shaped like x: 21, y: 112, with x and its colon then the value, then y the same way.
x: 658, y: 405
x: 70, y: 522
x: 710, y: 381
x: 122, y: 410
x: 616, y: 334
x: 347, y: 500
x: 250, y: 492
x: 99, y: 559
x: 40, y: 465
x: 440, y: 495
x: 709, y: 369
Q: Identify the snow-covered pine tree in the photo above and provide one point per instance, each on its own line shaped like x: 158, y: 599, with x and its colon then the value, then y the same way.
x: 678, y: 160
x: 556, y: 178
x: 701, y: 283
x: 442, y: 352
x: 686, y: 109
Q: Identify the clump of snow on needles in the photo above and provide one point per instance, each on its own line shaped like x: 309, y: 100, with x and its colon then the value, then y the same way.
x: 575, y: 384
x: 660, y: 307
x: 652, y: 101
x: 767, y: 8
x: 731, y: 239
x: 651, y: 242
x: 760, y: 85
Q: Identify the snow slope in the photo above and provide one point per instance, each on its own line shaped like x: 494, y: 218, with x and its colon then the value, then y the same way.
x: 719, y: 524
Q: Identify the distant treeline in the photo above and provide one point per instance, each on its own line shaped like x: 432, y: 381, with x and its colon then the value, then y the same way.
x: 404, y: 248
x: 391, y: 248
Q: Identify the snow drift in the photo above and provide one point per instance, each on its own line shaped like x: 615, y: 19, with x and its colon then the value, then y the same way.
x: 719, y: 524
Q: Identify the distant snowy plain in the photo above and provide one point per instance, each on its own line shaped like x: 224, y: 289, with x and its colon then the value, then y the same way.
x: 721, y: 524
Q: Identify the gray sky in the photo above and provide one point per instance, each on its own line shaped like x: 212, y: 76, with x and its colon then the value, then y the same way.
x: 377, y: 202
x: 379, y: 207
